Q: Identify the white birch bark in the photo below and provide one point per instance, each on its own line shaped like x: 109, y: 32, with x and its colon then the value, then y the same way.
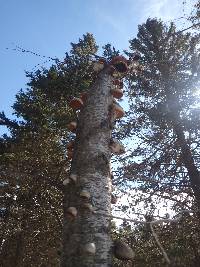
x: 90, y: 162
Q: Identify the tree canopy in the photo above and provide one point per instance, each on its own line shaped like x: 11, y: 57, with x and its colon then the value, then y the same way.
x: 161, y: 130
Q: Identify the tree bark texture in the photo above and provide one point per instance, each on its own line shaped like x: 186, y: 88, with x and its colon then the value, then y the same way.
x: 91, y: 164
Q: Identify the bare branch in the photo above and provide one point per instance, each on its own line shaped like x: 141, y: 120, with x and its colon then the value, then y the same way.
x: 159, y: 244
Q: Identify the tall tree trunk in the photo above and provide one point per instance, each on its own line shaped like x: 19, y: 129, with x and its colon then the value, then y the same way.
x: 91, y: 164
x: 188, y: 161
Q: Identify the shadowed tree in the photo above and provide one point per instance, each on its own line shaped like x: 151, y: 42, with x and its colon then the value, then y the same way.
x: 163, y: 114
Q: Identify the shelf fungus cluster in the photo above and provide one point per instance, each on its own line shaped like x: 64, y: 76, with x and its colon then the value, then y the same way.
x: 76, y: 103
x: 117, y: 67
x: 72, y: 213
x: 86, y: 201
x: 72, y: 126
x: 117, y: 90
x: 118, y: 111
x: 72, y: 178
x: 113, y: 199
x: 120, y: 64
x: 116, y: 147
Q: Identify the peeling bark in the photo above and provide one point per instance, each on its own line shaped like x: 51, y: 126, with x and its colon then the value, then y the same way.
x: 91, y: 164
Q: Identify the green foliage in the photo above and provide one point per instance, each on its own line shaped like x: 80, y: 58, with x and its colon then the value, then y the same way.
x: 180, y: 241
x: 161, y: 95
x: 33, y: 159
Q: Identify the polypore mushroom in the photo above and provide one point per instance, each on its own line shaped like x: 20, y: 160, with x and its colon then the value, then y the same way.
x: 117, y: 147
x: 72, y: 211
x: 73, y: 177
x: 85, y: 194
x: 113, y: 199
x: 88, y: 207
x: 72, y: 126
x: 76, y: 103
x: 90, y: 248
x: 117, y: 93
x: 120, y: 63
x: 118, y: 111
x: 122, y: 251
x: 66, y: 181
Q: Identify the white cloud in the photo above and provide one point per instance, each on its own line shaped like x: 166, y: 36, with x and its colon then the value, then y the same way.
x: 165, y: 9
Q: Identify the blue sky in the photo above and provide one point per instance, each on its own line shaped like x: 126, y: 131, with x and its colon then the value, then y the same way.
x: 48, y: 27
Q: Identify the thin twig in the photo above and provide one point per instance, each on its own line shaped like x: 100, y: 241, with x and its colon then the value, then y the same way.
x: 194, y: 25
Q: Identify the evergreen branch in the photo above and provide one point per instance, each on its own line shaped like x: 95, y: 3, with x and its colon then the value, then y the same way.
x: 4, y: 121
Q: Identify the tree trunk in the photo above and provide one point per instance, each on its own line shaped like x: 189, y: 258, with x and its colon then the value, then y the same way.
x: 173, y: 108
x: 188, y: 162
x: 91, y: 164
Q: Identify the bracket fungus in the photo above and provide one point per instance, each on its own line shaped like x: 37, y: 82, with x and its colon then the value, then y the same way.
x: 117, y: 93
x: 118, y: 111
x: 66, y: 181
x: 85, y: 194
x: 120, y: 63
x: 76, y: 103
x: 73, y: 177
x: 72, y: 126
x: 72, y: 211
x: 90, y: 248
x: 88, y: 207
x: 122, y: 251
x: 113, y: 199
x: 116, y: 147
